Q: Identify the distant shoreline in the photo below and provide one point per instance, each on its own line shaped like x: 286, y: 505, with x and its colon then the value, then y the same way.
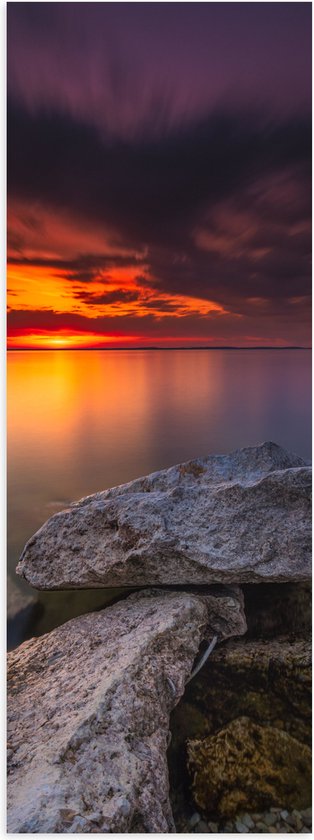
x: 120, y: 349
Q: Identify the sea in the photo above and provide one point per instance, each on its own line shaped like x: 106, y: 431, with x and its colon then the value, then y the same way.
x: 81, y: 421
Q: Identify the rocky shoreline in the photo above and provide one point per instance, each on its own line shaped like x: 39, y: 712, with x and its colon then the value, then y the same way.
x: 113, y: 726
x: 274, y: 821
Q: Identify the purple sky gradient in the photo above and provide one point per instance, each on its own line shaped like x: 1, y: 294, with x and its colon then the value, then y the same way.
x: 129, y: 64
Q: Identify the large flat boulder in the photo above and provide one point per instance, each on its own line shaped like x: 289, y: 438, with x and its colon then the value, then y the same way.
x: 243, y: 517
x: 88, y: 712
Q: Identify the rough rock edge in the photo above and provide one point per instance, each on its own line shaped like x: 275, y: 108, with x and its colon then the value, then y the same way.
x: 243, y: 517
x: 89, y: 714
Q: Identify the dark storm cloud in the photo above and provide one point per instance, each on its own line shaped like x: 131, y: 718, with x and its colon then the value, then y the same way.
x: 105, y: 298
x: 231, y: 279
x: 148, y: 190
x: 171, y: 193
x: 84, y: 267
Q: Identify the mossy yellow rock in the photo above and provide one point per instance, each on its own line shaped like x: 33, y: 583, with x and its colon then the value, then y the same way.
x: 251, y: 767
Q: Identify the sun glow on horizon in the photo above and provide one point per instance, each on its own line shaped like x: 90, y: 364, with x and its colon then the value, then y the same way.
x: 35, y: 341
x: 48, y: 310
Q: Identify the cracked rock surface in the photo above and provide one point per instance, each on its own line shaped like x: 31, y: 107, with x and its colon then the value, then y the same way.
x: 243, y: 517
x: 89, y: 707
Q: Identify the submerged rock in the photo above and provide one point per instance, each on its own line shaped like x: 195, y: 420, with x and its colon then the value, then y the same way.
x: 243, y: 517
x: 89, y: 707
x: 247, y: 766
x: 22, y: 609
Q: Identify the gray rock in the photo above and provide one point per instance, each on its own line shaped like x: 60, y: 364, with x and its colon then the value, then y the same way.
x: 243, y: 517
x: 195, y: 818
x: 240, y: 827
x: 270, y: 819
x: 247, y: 820
x: 89, y: 707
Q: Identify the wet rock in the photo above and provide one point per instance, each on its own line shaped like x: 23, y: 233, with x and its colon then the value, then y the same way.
x: 247, y: 766
x: 243, y: 517
x: 247, y: 820
x: 89, y: 707
x: 18, y: 600
x: 22, y: 609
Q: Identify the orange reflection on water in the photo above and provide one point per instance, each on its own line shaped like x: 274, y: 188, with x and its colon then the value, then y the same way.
x: 81, y: 421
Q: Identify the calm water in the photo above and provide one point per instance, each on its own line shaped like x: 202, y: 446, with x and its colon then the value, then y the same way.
x: 84, y: 421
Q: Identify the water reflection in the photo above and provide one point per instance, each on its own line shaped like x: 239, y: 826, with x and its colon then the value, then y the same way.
x: 83, y: 421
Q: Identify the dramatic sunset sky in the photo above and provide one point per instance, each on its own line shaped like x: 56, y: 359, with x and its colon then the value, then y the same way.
x: 159, y: 182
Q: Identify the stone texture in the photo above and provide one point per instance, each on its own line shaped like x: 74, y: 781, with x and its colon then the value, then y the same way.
x: 243, y: 517
x: 247, y: 766
x: 268, y: 681
x: 89, y: 707
x: 268, y: 822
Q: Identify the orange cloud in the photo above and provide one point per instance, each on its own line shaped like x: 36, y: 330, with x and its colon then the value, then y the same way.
x: 116, y: 293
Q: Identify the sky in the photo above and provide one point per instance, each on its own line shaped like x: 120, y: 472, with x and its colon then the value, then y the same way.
x: 159, y: 174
